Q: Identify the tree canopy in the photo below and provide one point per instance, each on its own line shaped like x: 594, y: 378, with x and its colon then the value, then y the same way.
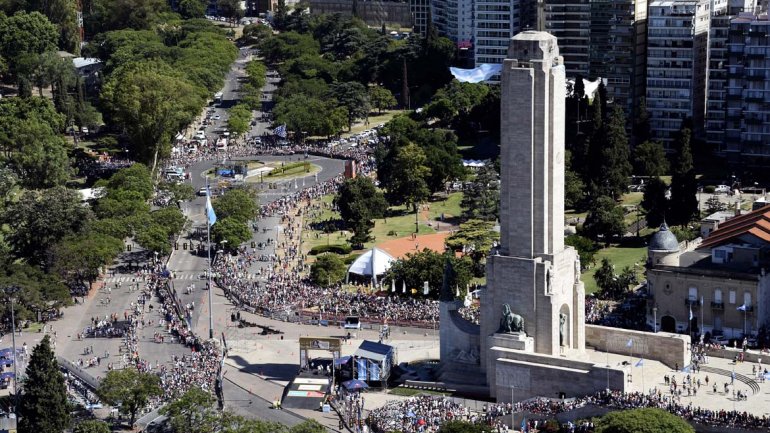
x: 44, y: 405
x: 645, y: 420
x: 129, y: 390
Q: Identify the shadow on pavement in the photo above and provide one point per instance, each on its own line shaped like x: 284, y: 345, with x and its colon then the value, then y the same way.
x: 281, y: 372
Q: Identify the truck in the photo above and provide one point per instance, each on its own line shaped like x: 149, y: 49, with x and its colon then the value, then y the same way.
x: 218, y: 97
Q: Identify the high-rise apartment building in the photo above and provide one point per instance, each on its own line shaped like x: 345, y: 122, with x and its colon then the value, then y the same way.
x: 454, y: 19
x: 617, y: 52
x: 570, y: 22
x: 677, y: 60
x: 747, y: 121
x: 717, y: 74
x: 420, y: 14
x: 495, y: 23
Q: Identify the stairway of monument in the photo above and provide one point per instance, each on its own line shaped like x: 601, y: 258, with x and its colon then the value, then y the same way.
x: 739, y: 377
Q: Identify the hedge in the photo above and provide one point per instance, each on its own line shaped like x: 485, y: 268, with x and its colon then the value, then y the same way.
x: 334, y: 248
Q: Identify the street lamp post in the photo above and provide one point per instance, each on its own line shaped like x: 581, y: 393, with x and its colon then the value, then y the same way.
x: 10, y: 291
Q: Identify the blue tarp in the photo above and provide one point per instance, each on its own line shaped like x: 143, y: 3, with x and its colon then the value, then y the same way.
x: 483, y: 72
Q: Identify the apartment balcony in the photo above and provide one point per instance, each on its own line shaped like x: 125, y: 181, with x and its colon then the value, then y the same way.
x: 691, y: 302
x: 717, y: 305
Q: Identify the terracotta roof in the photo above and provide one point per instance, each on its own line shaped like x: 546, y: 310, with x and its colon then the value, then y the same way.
x: 756, y: 223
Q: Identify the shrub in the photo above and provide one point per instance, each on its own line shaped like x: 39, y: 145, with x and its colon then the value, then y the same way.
x: 341, y: 249
x: 709, y: 189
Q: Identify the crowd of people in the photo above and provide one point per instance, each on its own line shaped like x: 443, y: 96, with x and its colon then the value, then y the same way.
x: 427, y: 413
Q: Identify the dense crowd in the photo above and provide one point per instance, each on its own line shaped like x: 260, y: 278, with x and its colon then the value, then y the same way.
x: 427, y: 413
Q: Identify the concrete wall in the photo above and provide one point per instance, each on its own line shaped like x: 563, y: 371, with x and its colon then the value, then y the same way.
x: 456, y: 334
x: 525, y: 375
x: 670, y: 349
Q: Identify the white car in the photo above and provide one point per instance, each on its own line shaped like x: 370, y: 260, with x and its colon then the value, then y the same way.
x: 217, y: 117
x: 722, y: 189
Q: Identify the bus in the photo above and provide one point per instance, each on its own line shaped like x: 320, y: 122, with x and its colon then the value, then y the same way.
x: 218, y: 97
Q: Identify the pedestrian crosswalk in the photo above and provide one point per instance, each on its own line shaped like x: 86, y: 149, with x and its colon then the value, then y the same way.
x: 181, y: 276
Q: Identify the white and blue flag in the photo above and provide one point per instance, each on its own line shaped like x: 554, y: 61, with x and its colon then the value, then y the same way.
x: 280, y: 131
x: 210, y: 215
x: 742, y: 307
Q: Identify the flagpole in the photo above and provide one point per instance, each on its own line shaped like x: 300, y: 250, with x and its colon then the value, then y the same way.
x: 211, y: 307
x: 208, y: 240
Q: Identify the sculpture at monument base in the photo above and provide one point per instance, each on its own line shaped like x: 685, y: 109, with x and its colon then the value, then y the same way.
x: 510, y: 322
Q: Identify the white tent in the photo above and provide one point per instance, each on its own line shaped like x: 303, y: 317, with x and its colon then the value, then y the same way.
x: 372, y: 263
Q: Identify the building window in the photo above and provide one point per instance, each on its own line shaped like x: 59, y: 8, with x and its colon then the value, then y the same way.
x: 732, y: 296
x: 693, y: 294
x: 747, y: 299
x: 718, y: 295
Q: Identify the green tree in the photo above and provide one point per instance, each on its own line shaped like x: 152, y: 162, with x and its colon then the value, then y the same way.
x: 170, y: 218
x: 136, y: 178
x: 239, y: 204
x: 381, y: 98
x: 408, y: 183
x: 309, y: 426
x: 426, y: 265
x: 41, y: 159
x: 81, y: 257
x: 353, y: 96
x: 231, y: 231
x: 40, y: 219
x: 151, y: 103
x: 40, y: 292
x: 178, y: 191
x: 475, y: 239
x: 586, y: 249
x: 155, y: 238
x: 482, y: 199
x: 230, y: 9
x: 614, y: 164
x: 650, y: 159
x: 256, y: 33
x: 129, y: 390
x: 239, y: 119
x: 654, y: 202
x: 26, y: 33
x: 193, y: 412
x: 44, y: 406
x: 684, y: 187
x: 192, y: 8
x: 612, y: 285
x: 328, y: 270
x: 359, y: 202
x: 647, y: 420
x: 642, y: 122
x: 92, y: 426
x: 456, y: 100
x: 574, y: 188
x: 464, y: 427
x: 714, y: 204
x: 605, y: 220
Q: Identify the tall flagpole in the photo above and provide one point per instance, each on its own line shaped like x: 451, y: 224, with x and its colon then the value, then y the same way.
x: 208, y: 240
x: 211, y: 306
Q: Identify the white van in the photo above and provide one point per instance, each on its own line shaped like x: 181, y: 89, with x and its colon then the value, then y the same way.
x: 352, y: 322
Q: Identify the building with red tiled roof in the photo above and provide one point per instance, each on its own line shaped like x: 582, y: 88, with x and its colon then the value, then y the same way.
x: 718, y: 286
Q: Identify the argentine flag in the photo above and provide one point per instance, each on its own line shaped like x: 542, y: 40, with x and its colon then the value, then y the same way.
x: 210, y: 215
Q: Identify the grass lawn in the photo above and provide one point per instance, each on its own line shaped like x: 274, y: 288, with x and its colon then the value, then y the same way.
x: 296, y: 172
x: 384, y: 228
x: 625, y: 254
x: 409, y: 392
x: 374, y: 120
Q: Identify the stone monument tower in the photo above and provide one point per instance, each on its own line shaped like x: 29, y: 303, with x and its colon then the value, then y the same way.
x: 534, y: 302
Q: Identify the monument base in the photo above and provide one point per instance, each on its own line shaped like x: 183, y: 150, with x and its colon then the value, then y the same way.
x: 519, y: 373
x: 514, y: 340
